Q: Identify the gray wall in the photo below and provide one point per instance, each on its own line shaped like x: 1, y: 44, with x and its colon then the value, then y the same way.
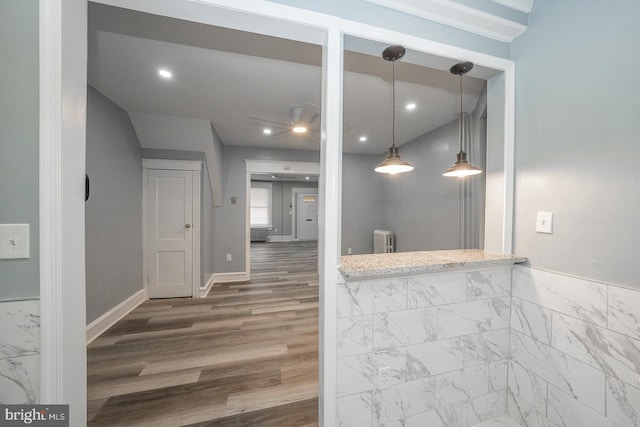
x: 421, y: 207
x: 229, y: 223
x: 114, y: 209
x: 577, y: 138
x: 361, y: 202
x: 206, y: 204
x: 19, y: 144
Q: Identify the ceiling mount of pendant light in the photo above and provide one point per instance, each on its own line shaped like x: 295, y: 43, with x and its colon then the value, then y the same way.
x: 393, y: 164
x: 462, y: 167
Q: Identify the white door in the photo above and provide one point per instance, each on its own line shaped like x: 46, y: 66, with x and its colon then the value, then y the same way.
x: 307, y: 216
x: 170, y: 233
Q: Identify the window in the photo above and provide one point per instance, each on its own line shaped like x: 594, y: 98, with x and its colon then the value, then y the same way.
x: 260, y: 215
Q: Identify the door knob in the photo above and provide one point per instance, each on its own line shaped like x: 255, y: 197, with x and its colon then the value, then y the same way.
x: 188, y: 225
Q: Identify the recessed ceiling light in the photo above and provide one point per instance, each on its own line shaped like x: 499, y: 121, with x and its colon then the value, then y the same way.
x: 273, y: 176
x: 165, y: 73
x: 299, y: 129
x: 411, y: 106
x: 306, y: 177
x: 363, y: 138
x: 266, y: 131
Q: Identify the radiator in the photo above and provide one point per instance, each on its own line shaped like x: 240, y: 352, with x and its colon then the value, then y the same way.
x: 258, y: 234
x: 382, y: 241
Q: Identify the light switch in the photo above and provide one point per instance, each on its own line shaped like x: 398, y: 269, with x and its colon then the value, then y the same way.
x: 544, y: 222
x: 14, y: 241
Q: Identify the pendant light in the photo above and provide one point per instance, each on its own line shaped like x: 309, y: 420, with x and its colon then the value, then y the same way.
x: 462, y: 167
x: 393, y: 164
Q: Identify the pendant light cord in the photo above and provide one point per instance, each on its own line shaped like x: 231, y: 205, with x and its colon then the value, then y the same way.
x: 460, y: 111
x: 393, y: 104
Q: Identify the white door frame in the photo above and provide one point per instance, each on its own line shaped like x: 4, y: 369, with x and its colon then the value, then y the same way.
x: 186, y: 165
x: 280, y: 167
x: 62, y: 162
x: 294, y: 207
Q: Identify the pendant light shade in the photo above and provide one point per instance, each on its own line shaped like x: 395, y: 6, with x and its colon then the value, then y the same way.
x: 393, y: 164
x: 462, y: 167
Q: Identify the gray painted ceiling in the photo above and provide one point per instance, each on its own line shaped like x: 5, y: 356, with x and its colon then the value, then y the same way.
x: 228, y: 76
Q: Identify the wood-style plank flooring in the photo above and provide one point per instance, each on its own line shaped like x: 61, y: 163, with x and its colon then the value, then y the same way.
x: 246, y: 355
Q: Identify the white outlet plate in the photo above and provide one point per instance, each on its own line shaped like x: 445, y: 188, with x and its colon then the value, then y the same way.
x: 228, y: 257
x: 348, y: 251
x: 14, y: 241
x: 544, y: 222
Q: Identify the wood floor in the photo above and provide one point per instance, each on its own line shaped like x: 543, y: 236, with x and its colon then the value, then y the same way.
x: 246, y: 355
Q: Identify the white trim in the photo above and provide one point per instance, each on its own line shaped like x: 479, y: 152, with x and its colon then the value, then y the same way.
x: 458, y: 16
x: 194, y: 166
x: 522, y: 5
x: 51, y: 203
x: 279, y: 239
x: 166, y: 164
x: 203, y: 291
x: 239, y: 276
x: 108, y: 319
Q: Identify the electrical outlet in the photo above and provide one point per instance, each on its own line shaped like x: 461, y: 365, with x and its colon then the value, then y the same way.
x: 348, y: 251
x: 228, y: 257
x: 384, y: 376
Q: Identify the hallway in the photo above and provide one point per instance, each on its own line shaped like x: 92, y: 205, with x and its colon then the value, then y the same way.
x: 245, y: 355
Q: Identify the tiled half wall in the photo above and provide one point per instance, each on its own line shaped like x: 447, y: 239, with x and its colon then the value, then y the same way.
x: 465, y: 347
x: 444, y: 338
x: 19, y: 352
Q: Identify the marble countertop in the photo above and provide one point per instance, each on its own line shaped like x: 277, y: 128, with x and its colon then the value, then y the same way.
x: 358, y: 267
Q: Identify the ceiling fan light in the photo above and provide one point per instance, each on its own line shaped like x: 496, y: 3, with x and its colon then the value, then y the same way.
x: 299, y: 129
x: 393, y: 164
x: 462, y: 167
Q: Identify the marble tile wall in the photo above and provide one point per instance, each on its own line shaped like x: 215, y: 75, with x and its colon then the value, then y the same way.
x: 575, y: 352
x: 19, y: 352
x: 444, y: 339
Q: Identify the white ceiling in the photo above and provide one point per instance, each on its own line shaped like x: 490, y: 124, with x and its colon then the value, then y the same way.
x: 226, y: 76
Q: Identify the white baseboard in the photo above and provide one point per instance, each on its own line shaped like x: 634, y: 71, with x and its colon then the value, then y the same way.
x: 240, y: 276
x: 107, y: 320
x: 280, y: 238
x: 207, y: 287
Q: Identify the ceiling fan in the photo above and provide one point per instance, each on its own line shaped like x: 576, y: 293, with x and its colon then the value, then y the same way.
x: 302, y: 122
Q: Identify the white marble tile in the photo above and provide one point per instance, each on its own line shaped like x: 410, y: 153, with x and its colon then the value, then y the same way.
x: 355, y: 335
x: 503, y: 421
x: 531, y: 319
x: 425, y: 360
x: 614, y: 353
x: 20, y: 322
x: 458, y: 386
x: 449, y: 416
x: 402, y: 328
x: 576, y: 297
x: 624, y: 311
x: 623, y: 403
x: 528, y: 386
x: 427, y: 291
x: 354, y: 410
x: 403, y: 400
x: 359, y: 373
x: 486, y: 347
x: 569, y: 412
x: 473, y: 317
x: 498, y: 374
x: 488, y: 284
x: 371, y: 296
x: 571, y: 375
x: 484, y: 408
x: 20, y: 380
x: 524, y: 414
